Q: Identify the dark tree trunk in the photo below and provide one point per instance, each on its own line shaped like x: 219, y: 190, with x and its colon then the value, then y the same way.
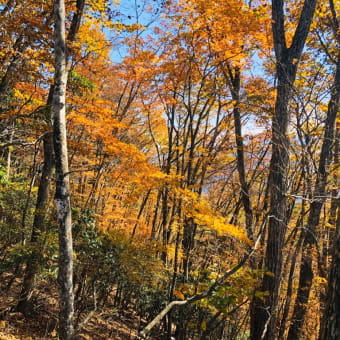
x: 235, y: 82
x: 264, y: 315
x: 310, y: 240
x: 38, y: 225
x: 155, y: 217
x: 330, y: 325
x: 290, y: 283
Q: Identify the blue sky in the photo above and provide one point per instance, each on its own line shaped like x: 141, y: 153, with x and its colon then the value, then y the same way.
x: 143, y: 12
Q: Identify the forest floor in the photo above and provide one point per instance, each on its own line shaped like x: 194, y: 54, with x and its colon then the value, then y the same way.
x: 42, y: 324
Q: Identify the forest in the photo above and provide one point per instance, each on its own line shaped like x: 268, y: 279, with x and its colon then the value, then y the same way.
x: 169, y: 169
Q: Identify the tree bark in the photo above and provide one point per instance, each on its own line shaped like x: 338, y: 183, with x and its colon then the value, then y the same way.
x: 319, y: 196
x: 44, y: 187
x: 264, y: 316
x: 235, y: 83
x: 38, y: 225
x: 62, y: 197
x: 8, y: 171
x: 330, y: 325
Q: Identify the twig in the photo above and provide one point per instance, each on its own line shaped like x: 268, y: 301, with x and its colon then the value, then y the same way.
x: 87, y: 318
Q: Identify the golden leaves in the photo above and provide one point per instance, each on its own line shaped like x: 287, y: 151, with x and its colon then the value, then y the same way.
x: 198, y: 208
x: 179, y: 294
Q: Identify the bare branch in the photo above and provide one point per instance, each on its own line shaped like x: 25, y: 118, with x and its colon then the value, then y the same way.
x: 146, y: 330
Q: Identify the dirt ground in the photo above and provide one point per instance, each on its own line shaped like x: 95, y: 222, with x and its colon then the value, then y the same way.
x: 43, y: 323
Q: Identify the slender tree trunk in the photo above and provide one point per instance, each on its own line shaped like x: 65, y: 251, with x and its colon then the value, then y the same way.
x: 9, y: 155
x: 265, y: 311
x: 62, y: 197
x: 235, y: 82
x: 290, y: 284
x: 38, y: 225
x: 155, y: 216
x: 165, y: 213
x: 141, y: 209
x: 330, y: 325
x: 331, y: 234
x: 310, y: 240
x: 29, y: 193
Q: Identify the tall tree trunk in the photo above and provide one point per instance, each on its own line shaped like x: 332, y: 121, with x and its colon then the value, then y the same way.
x: 44, y: 186
x: 330, y: 325
x: 264, y: 315
x: 62, y: 197
x: 289, y: 294
x: 235, y: 82
x: 310, y: 240
x: 155, y: 216
x: 141, y: 209
x: 38, y: 225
